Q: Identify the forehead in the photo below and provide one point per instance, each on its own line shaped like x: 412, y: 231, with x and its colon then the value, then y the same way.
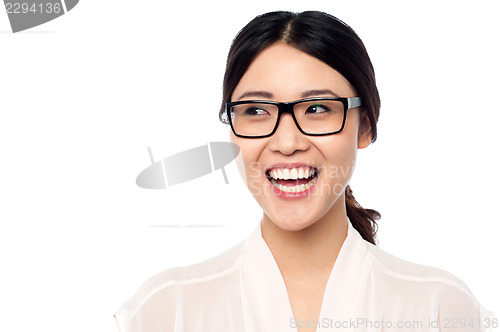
x: 287, y: 72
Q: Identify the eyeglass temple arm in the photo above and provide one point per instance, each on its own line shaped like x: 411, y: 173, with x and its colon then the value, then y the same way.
x: 353, y: 102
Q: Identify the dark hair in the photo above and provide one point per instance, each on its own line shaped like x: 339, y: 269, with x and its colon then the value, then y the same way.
x: 330, y: 40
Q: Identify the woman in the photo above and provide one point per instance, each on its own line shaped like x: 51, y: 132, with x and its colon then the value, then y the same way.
x: 300, y: 97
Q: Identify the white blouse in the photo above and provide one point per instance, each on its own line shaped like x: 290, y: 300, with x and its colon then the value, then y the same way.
x: 243, y: 290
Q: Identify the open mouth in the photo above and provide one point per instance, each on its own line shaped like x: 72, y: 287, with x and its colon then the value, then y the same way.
x: 292, y: 180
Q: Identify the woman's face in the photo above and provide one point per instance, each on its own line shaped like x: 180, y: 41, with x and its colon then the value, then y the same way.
x: 283, y: 73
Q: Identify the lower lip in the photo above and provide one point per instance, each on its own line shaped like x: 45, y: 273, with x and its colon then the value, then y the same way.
x: 291, y: 196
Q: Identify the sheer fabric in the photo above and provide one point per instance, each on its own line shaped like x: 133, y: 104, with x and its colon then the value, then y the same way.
x: 243, y: 290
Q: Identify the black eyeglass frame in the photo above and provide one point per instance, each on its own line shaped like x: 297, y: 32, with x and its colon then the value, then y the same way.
x: 348, y: 102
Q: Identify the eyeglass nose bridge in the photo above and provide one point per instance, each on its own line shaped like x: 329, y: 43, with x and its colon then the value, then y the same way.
x: 287, y: 108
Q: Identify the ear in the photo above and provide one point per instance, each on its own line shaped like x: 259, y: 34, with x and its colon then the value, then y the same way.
x: 365, y: 132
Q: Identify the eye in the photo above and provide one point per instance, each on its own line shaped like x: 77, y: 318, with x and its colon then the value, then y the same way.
x: 254, y: 110
x: 315, y: 109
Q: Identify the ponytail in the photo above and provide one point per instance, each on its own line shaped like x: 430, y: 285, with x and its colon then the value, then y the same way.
x: 363, y: 220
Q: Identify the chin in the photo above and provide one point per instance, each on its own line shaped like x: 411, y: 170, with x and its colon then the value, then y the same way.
x: 291, y: 224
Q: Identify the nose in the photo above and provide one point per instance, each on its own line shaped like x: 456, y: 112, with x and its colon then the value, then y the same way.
x: 287, y: 139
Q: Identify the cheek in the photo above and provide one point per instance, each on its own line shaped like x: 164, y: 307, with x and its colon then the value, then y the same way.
x: 240, y: 159
x: 248, y: 160
x: 348, y: 160
x: 340, y: 153
x: 341, y: 160
x: 347, y: 147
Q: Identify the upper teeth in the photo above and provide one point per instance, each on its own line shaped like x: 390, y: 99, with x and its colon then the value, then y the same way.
x: 291, y: 173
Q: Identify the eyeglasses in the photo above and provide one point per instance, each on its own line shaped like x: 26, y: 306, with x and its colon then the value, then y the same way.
x: 312, y: 116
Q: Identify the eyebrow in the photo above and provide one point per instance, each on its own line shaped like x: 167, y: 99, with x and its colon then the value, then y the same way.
x: 305, y: 94
x: 260, y: 94
x: 312, y: 93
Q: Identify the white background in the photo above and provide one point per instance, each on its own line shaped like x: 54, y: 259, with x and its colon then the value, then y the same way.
x: 83, y: 96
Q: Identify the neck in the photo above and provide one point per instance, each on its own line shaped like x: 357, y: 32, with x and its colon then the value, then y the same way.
x: 309, y: 253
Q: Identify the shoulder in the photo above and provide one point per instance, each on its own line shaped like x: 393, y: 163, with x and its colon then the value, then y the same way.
x: 402, y: 270
x: 425, y: 289
x: 204, y: 272
x: 173, y: 288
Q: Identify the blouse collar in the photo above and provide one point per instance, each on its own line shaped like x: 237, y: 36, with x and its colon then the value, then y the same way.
x: 266, y: 305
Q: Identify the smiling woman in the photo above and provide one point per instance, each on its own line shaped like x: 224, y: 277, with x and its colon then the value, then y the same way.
x: 300, y: 99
